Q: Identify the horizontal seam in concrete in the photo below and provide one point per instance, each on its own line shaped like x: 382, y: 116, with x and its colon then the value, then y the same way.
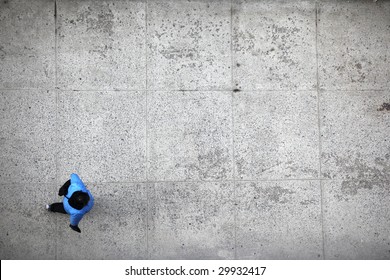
x: 200, y: 181
x: 200, y: 90
x: 211, y: 181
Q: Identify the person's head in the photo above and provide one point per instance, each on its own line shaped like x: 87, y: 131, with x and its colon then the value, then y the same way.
x: 79, y: 199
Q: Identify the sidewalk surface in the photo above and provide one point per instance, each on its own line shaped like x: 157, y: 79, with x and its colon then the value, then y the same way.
x: 205, y: 129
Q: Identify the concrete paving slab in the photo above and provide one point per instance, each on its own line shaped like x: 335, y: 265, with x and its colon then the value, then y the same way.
x: 27, y: 232
x: 357, y: 219
x: 353, y: 45
x: 274, y: 44
x: 115, y: 228
x: 101, y: 45
x: 276, y: 135
x: 279, y: 220
x: 189, y: 45
x: 355, y: 127
x: 27, y: 136
x: 191, y: 220
x: 204, y: 128
x: 190, y: 135
x: 102, y: 135
x: 27, y: 45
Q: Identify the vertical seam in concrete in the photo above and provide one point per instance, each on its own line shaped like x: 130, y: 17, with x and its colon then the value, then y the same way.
x: 146, y: 92
x: 319, y: 134
x: 56, y: 120
x: 146, y: 129
x: 232, y: 112
x: 318, y: 94
x: 55, y: 43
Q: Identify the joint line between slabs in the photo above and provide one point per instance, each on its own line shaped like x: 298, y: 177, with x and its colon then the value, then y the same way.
x: 233, y: 130
x: 319, y: 133
x: 147, y: 133
x: 56, y: 117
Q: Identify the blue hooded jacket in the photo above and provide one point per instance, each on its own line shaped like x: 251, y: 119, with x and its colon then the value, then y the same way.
x: 76, y: 215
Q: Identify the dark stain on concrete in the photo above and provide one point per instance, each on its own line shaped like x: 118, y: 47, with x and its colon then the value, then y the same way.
x: 269, y: 197
x: 103, y: 227
x: 236, y: 90
x: 384, y: 107
x: 55, y: 14
x: 102, y: 52
x: 244, y: 42
x: 173, y: 53
x: 308, y: 202
x: 212, y: 164
x: 268, y: 52
x: 2, y: 52
x: 357, y: 166
x: 352, y: 187
x: 241, y: 167
x: 101, y: 22
x: 278, y: 194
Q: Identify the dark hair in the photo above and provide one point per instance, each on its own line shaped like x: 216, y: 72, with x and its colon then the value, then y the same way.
x: 78, y: 200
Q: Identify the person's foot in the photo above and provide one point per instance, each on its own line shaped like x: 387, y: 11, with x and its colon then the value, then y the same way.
x: 47, y: 206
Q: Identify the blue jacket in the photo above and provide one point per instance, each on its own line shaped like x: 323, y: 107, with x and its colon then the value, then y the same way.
x: 76, y: 215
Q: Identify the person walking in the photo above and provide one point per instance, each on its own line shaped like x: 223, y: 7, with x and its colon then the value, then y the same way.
x: 77, y: 201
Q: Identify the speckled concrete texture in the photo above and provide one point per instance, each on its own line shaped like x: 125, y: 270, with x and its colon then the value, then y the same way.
x: 189, y: 45
x: 276, y: 135
x: 226, y: 129
x: 27, y: 232
x: 274, y: 44
x: 27, y: 136
x: 191, y: 220
x: 101, y: 45
x: 190, y: 135
x: 100, y: 134
x: 355, y: 139
x: 279, y: 220
x: 357, y: 219
x: 27, y: 44
x: 353, y: 45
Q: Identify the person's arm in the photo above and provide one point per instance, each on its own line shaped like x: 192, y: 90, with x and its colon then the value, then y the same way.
x: 64, y: 189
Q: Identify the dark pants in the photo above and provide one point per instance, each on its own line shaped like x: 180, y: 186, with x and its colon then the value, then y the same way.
x: 58, y: 207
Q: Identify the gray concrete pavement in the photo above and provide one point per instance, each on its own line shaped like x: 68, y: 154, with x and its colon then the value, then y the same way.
x: 205, y: 129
